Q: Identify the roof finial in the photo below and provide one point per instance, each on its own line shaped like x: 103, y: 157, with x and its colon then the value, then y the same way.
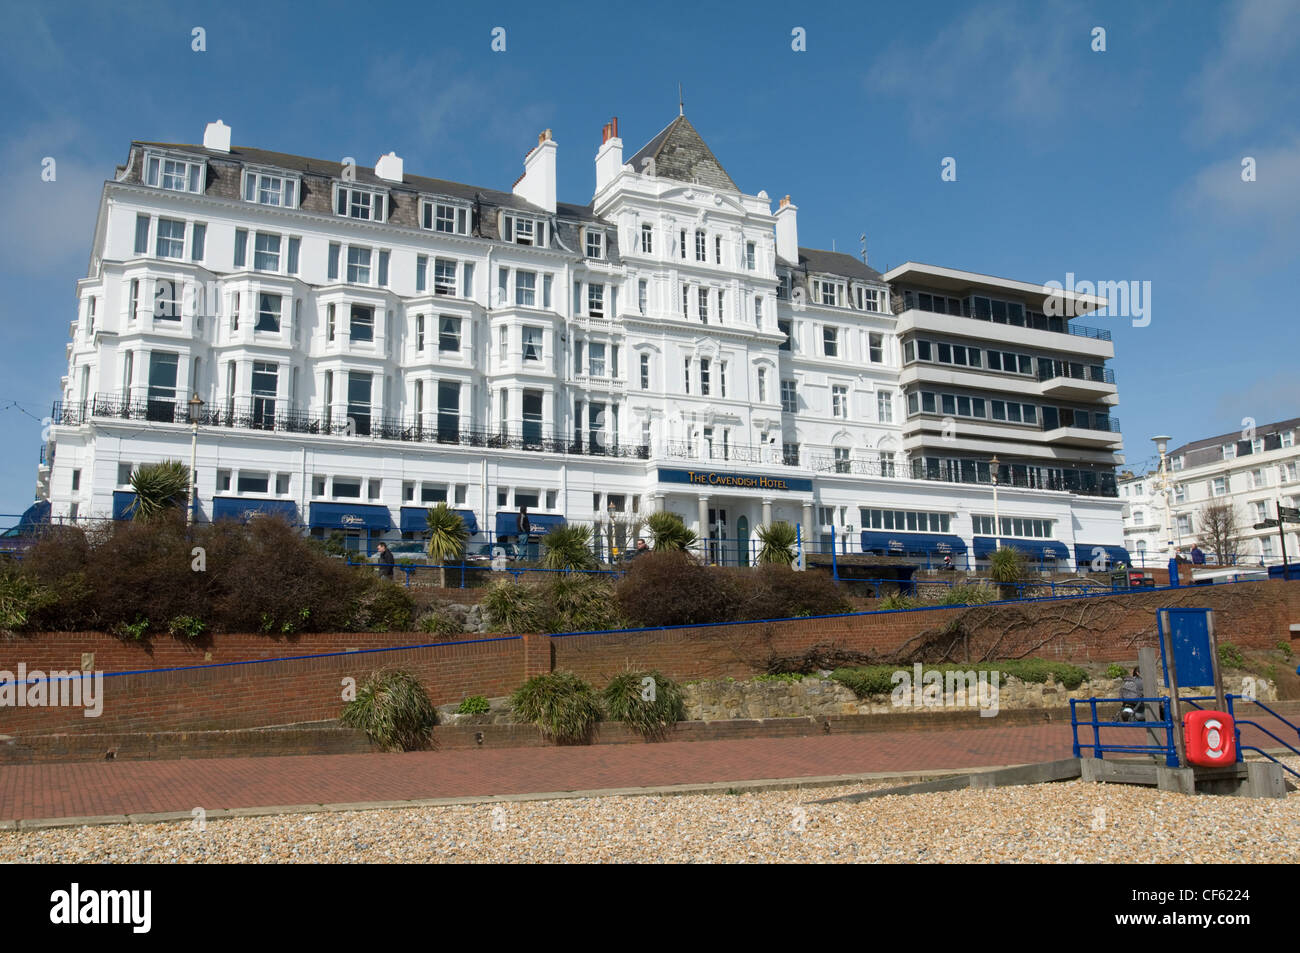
x: 681, y: 101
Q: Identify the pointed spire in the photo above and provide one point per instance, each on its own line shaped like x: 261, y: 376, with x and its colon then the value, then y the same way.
x: 681, y: 101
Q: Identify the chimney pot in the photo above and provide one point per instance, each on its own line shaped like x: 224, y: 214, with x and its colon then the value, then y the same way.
x: 614, y: 127
x: 785, y: 201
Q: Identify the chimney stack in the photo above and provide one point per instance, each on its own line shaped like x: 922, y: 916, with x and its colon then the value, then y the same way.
x: 389, y: 167
x: 609, y: 159
x: 217, y: 137
x: 787, y: 231
x: 537, y: 184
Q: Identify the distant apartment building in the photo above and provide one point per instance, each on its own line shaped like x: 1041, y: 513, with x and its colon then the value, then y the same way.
x: 1249, y: 475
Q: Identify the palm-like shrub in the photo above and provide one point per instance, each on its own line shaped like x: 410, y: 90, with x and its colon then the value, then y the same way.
x: 646, y: 702
x: 1007, y: 567
x: 159, y: 487
x: 394, y: 711
x: 668, y: 533
x: 447, y: 536
x: 579, y: 602
x: 778, y: 541
x: 561, y: 704
x: 514, y: 607
x: 568, y: 547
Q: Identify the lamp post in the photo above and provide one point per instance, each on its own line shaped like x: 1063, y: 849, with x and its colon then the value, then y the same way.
x: 1162, y: 446
x: 196, y: 411
x: 997, y: 523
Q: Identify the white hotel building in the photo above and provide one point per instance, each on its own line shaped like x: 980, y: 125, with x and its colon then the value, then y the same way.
x: 1252, y: 475
x: 368, y: 342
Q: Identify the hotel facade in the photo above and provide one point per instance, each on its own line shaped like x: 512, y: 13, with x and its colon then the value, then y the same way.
x: 1251, y: 472
x: 367, y: 343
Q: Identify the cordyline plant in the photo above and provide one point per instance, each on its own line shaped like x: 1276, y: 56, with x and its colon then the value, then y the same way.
x: 568, y: 547
x: 668, y: 533
x: 778, y: 541
x: 159, y: 487
x: 447, y: 536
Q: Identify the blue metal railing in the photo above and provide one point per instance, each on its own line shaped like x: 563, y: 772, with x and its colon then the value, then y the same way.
x: 1100, y: 748
x: 1238, y: 722
x: 1165, y: 723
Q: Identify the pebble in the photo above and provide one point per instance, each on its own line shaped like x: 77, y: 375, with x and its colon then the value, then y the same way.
x: 1068, y: 822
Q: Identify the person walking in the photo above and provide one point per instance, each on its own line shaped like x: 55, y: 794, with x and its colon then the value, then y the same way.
x: 385, y: 559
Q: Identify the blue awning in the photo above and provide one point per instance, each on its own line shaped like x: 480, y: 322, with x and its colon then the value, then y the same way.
x: 1086, y: 553
x: 350, y: 516
x: 911, y: 544
x: 508, y: 523
x: 415, y: 519
x: 123, y: 503
x: 244, y: 509
x: 1036, y: 550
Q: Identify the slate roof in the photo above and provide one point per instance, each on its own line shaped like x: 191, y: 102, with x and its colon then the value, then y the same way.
x: 365, y: 175
x: 1195, y: 451
x: 819, y: 261
x: 680, y: 154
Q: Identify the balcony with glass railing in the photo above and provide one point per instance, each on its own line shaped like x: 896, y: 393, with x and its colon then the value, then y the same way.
x: 980, y: 308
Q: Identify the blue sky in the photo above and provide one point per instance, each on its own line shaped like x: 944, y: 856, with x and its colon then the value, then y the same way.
x: 1123, y: 165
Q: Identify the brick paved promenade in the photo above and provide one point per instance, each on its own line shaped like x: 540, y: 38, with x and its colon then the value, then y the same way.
x: 92, y: 789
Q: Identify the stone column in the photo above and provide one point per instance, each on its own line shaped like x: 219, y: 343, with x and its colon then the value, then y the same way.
x: 767, y: 512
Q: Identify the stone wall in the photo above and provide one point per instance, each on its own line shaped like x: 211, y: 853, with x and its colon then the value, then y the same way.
x: 724, y: 699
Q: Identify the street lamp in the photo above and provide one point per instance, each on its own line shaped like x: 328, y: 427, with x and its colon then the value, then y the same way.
x: 1162, y: 446
x: 196, y: 412
x: 997, y: 523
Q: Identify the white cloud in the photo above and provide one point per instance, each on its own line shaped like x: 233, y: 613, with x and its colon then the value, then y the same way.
x: 49, y: 224
x: 1274, y: 397
x: 1271, y: 202
x: 1250, y: 81
x: 1015, y: 57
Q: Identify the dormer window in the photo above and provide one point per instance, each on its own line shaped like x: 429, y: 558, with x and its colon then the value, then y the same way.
x: 595, y: 244
x: 522, y: 230
x: 266, y: 189
x: 442, y: 217
x: 177, y: 175
x: 359, y: 203
x: 828, y: 292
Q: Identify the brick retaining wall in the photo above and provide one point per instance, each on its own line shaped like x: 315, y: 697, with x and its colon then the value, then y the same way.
x: 1252, y: 615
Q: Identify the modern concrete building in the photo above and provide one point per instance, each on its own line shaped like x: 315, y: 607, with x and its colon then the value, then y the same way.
x: 367, y: 342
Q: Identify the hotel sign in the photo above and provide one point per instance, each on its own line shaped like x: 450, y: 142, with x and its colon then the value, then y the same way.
x: 758, y: 482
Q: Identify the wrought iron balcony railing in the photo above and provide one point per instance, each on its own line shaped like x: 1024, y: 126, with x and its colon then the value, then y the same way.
x: 264, y: 414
